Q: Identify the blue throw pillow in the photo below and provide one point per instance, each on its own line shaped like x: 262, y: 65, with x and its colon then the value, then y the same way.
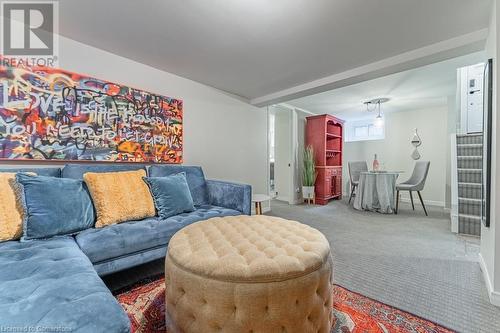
x: 54, y: 206
x: 194, y: 177
x: 171, y: 194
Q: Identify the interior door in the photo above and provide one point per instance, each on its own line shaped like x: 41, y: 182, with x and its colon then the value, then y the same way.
x: 475, y: 98
x: 282, y: 153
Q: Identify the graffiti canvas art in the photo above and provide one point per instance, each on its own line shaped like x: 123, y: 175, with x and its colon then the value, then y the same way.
x: 52, y: 114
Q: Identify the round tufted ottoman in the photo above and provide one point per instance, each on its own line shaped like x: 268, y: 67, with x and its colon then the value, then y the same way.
x: 248, y: 274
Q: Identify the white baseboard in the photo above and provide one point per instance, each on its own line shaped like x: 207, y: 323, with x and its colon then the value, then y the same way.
x: 265, y: 209
x: 493, y: 295
x: 296, y: 201
x: 454, y: 223
x: 416, y: 201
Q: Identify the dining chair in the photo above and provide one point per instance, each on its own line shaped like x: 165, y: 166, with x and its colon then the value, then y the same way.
x: 355, y: 169
x: 416, y: 183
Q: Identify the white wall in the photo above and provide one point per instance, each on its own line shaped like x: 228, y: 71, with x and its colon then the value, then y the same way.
x: 490, y: 237
x: 224, y: 135
x: 394, y: 151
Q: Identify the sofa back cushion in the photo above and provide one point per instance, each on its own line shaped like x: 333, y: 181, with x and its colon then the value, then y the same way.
x: 49, y: 172
x: 11, y: 207
x: 194, y: 176
x: 54, y: 206
x: 171, y: 194
x: 76, y: 171
x: 119, y: 196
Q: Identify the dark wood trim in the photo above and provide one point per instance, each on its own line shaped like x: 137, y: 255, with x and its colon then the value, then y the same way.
x: 397, y: 201
x: 352, y: 193
x: 422, y: 202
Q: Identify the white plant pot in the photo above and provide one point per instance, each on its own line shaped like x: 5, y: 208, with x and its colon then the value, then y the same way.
x: 308, y: 192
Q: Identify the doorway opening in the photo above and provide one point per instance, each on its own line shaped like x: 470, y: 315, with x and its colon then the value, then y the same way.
x: 280, y: 153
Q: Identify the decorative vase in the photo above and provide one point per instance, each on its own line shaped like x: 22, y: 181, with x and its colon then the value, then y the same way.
x: 308, y: 192
x: 416, y: 142
x: 376, y: 164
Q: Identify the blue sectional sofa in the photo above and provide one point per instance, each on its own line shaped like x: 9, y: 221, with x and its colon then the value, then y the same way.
x: 53, y: 285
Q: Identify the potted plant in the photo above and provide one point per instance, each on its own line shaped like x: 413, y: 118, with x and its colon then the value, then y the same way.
x: 308, y: 174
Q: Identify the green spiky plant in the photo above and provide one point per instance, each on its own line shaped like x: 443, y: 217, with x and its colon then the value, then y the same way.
x: 309, y: 171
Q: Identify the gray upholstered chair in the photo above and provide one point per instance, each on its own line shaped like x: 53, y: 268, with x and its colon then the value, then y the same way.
x: 415, y: 183
x: 355, y: 168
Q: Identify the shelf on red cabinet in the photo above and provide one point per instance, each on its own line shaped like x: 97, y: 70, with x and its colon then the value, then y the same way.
x: 333, y: 196
x: 328, y: 166
x: 334, y: 151
x: 333, y: 136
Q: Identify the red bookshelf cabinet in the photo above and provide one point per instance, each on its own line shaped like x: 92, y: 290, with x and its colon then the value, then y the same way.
x: 325, y: 134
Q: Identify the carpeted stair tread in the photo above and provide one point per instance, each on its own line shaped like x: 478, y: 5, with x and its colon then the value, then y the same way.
x: 470, y: 184
x: 470, y: 200
x: 470, y: 145
x: 470, y: 157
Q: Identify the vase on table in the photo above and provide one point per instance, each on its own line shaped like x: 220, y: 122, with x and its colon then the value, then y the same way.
x: 376, y: 164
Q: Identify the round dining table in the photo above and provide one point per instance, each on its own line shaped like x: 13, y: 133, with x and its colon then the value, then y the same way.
x: 376, y: 191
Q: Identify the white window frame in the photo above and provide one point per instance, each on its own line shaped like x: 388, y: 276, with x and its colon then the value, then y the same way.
x: 351, y: 126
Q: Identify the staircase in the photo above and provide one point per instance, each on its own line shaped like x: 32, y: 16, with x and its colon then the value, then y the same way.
x: 469, y: 165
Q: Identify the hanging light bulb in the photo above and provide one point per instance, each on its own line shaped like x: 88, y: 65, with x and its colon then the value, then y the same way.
x: 379, y: 120
x: 374, y: 104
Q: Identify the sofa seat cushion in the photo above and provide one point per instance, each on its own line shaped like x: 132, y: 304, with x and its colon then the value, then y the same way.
x: 135, y: 236
x: 51, y: 283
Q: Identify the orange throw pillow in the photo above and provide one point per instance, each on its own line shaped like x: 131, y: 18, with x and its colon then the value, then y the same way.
x: 119, y: 196
x: 11, y: 207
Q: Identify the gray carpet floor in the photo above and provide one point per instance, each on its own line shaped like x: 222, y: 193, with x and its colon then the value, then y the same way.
x: 408, y: 261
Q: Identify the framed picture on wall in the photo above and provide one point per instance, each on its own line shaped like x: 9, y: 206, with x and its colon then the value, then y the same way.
x: 50, y: 114
x: 487, y: 128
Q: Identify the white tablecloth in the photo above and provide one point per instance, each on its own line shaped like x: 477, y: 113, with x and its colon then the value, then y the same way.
x: 375, y: 192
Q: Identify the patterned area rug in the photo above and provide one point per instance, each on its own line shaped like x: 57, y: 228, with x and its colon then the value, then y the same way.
x: 145, y: 306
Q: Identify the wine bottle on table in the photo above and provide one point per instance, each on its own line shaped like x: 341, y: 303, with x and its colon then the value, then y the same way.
x: 376, y: 164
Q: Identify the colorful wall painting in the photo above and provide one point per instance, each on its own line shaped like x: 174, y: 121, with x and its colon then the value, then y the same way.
x: 55, y: 115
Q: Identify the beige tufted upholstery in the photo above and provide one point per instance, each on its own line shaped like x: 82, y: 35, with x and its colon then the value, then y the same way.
x: 249, y: 274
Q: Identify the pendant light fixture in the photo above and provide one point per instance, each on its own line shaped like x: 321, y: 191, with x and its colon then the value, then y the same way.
x: 374, y: 105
